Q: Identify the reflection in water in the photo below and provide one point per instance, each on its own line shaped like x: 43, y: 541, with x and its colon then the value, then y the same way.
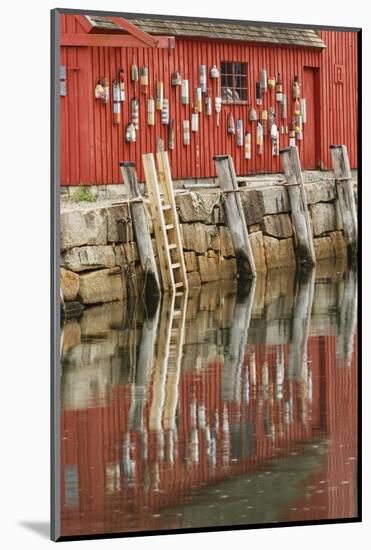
x: 220, y: 409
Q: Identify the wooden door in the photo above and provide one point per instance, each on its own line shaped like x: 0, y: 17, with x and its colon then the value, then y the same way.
x: 310, y: 156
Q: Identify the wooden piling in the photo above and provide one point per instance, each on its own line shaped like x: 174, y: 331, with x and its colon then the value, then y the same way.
x: 142, y: 232
x: 299, y: 209
x: 344, y: 189
x: 235, y: 216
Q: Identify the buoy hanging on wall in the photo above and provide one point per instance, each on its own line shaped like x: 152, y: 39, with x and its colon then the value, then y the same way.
x: 259, y: 138
x: 275, y: 142
x: 130, y: 133
x: 198, y: 100
x: 208, y: 105
x: 296, y: 88
x: 279, y: 88
x: 271, y: 117
x: 203, y: 84
x: 253, y: 117
x: 116, y: 95
x: 159, y: 95
x: 122, y: 84
x: 171, y: 138
x: 248, y: 146
x: 195, y: 121
x: 134, y: 72
x: 263, y: 80
x: 151, y: 111
x: 116, y: 110
x: 259, y: 94
x: 165, y: 111
x: 292, y: 134
x: 303, y: 110
x: 176, y: 79
x: 271, y: 82
x: 135, y: 112
x: 185, y: 92
x: 299, y: 127
x: 218, y: 108
x: 297, y: 107
x: 264, y: 119
x: 230, y: 124
x: 143, y: 79
x: 284, y: 106
x: 99, y: 90
x: 239, y: 132
x: 214, y: 72
x: 186, y: 133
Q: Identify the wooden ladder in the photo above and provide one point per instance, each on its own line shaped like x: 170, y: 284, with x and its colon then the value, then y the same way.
x: 165, y: 222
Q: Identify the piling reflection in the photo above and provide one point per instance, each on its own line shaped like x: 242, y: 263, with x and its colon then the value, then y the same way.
x: 221, y: 408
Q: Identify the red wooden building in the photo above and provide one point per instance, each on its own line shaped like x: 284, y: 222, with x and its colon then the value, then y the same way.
x: 95, y: 48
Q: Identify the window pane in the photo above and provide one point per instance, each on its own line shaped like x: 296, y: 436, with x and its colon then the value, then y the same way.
x: 243, y: 82
x: 223, y: 67
x: 237, y: 68
x: 243, y: 94
x: 229, y: 68
x: 224, y: 80
x: 230, y: 81
x: 243, y: 68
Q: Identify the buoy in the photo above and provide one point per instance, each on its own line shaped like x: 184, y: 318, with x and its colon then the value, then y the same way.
x: 274, y: 131
x: 186, y: 133
x: 283, y: 106
x: 135, y: 112
x: 230, y: 124
x: 263, y: 80
x: 253, y: 117
x: 299, y: 127
x: 279, y: 88
x: 276, y: 144
x: 271, y: 82
x: 159, y: 95
x: 185, y: 92
x: 122, y: 84
x: 303, y: 110
x: 292, y: 134
x: 116, y: 112
x: 297, y: 107
x: 264, y: 115
x: 106, y: 89
x: 130, y: 133
x: 198, y: 100
x: 116, y: 95
x: 239, y: 132
x: 248, y: 146
x: 195, y: 121
x: 259, y: 138
x: 165, y: 111
x: 271, y: 116
x: 171, y: 138
x: 143, y: 79
x: 134, y: 73
x: 296, y: 88
x: 176, y: 79
x: 99, y: 91
x: 203, y: 79
x: 208, y: 105
x: 259, y: 99
x: 218, y: 108
x: 151, y: 111
x: 214, y: 72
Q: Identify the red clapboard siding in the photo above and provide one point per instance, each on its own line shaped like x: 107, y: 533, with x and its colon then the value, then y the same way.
x: 92, y: 146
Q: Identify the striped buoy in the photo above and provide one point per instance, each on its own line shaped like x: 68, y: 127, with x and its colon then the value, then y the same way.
x: 230, y: 124
x: 171, y: 137
x: 296, y: 88
x: 198, y: 100
x: 283, y: 106
x: 186, y: 133
x: 151, y: 111
x: 292, y: 135
x: 185, y: 92
x: 159, y: 95
x: 134, y: 73
x: 239, y: 132
x: 122, y: 84
x: 271, y: 82
x: 135, y: 112
x: 253, y: 117
x: 195, y: 122
x: 303, y: 110
x: 218, y: 108
x: 143, y: 79
x: 214, y: 72
x: 203, y: 78
x: 208, y: 105
x: 259, y: 138
x: 130, y: 133
x: 276, y: 144
x: 105, y: 89
x: 176, y: 79
x: 248, y: 146
x: 165, y: 111
x: 263, y: 80
x: 116, y: 107
x: 279, y: 88
x: 259, y: 99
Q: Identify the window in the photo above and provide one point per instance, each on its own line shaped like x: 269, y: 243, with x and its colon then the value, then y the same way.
x: 234, y: 81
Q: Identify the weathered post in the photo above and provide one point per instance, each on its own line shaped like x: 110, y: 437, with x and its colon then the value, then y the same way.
x: 235, y: 216
x: 299, y: 209
x: 142, y: 232
x: 343, y: 183
x: 346, y: 318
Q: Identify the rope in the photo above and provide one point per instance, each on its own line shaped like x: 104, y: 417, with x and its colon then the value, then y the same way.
x: 198, y: 203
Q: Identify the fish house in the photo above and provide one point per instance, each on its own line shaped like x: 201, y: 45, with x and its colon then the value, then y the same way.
x: 205, y: 88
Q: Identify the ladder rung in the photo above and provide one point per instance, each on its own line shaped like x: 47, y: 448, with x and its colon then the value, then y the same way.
x: 172, y: 246
x: 176, y: 312
x: 175, y: 266
x: 179, y: 293
x: 166, y: 207
x: 169, y: 226
x: 178, y: 285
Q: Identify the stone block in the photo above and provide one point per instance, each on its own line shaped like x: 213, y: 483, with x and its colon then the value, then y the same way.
x: 196, y: 206
x: 278, y: 226
x: 254, y: 228
x: 104, y: 285
x: 258, y: 251
x: 83, y: 226
x: 323, y: 218
x: 323, y: 248
x: 126, y: 253
x: 71, y: 334
x: 323, y: 191
x: 88, y: 257
x: 208, y: 268
x: 260, y: 202
x: 339, y: 244
x: 279, y: 252
x: 70, y: 283
x: 226, y: 245
x: 214, y: 236
x: 195, y: 237
x: 194, y: 279
x: 227, y: 268
x: 114, y: 215
x: 190, y: 261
